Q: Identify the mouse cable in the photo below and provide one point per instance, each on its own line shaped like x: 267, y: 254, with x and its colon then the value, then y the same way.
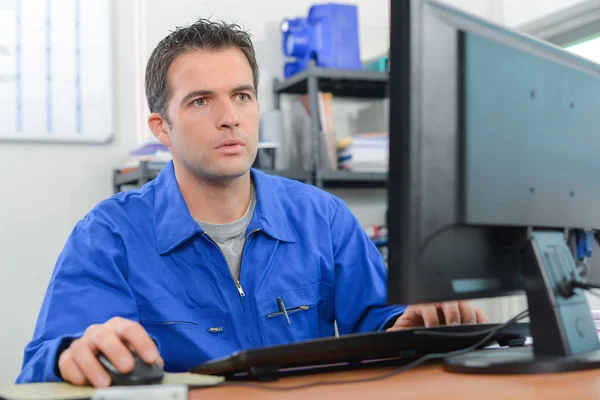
x: 418, y: 361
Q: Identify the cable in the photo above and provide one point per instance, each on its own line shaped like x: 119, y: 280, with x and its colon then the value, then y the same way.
x: 419, y: 361
x: 494, y: 329
x: 586, y: 285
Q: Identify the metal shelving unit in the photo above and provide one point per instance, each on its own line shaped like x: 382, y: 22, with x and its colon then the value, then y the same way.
x: 341, y: 83
x: 138, y: 177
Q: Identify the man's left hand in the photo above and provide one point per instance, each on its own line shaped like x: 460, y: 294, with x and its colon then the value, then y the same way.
x: 435, y: 314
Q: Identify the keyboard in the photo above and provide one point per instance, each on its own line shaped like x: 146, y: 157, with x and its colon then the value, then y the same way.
x: 356, y: 350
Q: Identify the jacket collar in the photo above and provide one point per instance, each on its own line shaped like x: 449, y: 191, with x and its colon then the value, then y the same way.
x: 174, y: 223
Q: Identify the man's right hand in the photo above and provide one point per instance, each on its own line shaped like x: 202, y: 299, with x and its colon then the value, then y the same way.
x: 79, y: 364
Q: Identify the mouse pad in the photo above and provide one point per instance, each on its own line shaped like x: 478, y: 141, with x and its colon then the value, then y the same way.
x: 65, y: 391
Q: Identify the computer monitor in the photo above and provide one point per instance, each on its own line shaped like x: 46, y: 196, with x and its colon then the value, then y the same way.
x: 493, y: 166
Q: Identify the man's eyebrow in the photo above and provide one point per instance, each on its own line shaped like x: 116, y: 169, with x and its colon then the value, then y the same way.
x: 241, y: 88
x: 196, y: 93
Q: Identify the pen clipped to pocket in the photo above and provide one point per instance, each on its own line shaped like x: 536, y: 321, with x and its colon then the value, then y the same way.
x: 306, y: 308
x: 286, y: 312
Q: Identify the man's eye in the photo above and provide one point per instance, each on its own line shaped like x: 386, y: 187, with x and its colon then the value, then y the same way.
x: 243, y: 96
x: 200, y: 102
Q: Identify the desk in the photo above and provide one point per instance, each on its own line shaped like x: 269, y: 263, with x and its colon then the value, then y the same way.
x: 425, y: 382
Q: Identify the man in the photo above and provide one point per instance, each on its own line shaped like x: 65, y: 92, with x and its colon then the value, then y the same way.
x: 196, y: 264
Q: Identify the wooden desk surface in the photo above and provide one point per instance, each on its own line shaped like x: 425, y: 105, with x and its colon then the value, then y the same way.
x: 425, y: 382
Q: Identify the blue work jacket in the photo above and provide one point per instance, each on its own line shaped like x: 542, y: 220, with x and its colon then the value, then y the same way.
x: 142, y: 256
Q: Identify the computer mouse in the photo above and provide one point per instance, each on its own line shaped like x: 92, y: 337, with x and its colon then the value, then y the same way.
x: 142, y: 373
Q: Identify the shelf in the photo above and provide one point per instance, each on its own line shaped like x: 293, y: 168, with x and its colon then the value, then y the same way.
x: 148, y: 171
x: 298, y: 175
x: 343, y: 83
x: 350, y: 179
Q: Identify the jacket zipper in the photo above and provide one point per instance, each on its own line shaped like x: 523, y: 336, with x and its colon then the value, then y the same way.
x: 237, y: 282
x: 290, y: 311
x: 251, y: 333
x: 238, y: 285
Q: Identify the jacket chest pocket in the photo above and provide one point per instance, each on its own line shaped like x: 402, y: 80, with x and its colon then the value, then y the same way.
x: 186, y: 336
x: 306, y: 310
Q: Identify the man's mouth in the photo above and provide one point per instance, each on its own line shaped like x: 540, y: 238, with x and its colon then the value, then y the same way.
x: 231, y: 146
x: 230, y: 143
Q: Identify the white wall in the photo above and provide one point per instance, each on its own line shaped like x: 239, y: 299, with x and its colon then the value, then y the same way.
x: 513, y: 13
x: 488, y: 9
x: 519, y: 12
x: 45, y: 190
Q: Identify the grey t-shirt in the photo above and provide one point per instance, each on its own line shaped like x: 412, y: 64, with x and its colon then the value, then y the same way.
x: 231, y: 237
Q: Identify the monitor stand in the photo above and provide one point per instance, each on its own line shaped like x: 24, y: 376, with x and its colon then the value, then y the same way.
x: 563, y: 331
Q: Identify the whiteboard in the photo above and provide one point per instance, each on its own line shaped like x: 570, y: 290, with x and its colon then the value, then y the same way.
x: 56, y: 80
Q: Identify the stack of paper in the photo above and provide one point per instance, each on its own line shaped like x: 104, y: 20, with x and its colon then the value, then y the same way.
x: 151, y: 152
x: 364, y: 153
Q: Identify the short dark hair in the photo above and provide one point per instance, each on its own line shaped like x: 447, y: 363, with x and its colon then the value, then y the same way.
x: 201, y: 35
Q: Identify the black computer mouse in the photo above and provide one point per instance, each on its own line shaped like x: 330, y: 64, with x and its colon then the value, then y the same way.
x: 142, y: 373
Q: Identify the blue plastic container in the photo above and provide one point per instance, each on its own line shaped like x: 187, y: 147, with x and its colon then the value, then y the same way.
x: 329, y: 35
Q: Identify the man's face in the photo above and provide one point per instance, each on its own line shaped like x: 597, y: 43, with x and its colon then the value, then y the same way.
x: 213, y: 113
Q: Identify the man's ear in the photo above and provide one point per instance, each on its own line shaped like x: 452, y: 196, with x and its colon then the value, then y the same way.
x: 157, y: 125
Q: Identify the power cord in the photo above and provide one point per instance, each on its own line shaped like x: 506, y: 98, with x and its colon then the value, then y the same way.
x: 428, y: 357
x: 567, y: 287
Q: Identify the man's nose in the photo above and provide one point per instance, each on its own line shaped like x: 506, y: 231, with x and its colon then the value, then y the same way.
x: 228, y: 118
